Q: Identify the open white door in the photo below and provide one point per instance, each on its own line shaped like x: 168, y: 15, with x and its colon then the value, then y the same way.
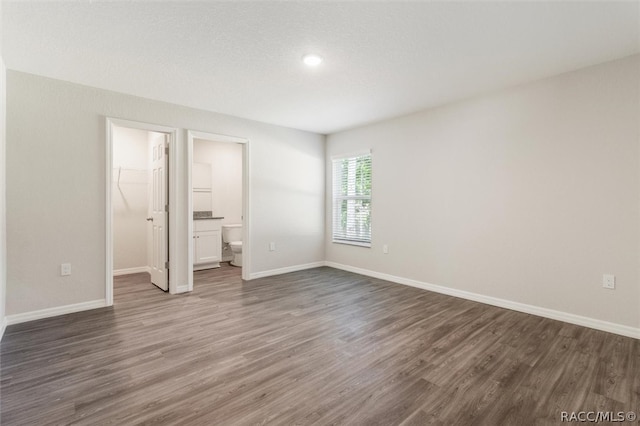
x: 159, y: 211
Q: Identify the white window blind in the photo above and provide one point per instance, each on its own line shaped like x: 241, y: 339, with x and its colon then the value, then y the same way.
x: 352, y: 199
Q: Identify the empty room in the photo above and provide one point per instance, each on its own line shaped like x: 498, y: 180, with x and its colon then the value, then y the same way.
x: 319, y: 213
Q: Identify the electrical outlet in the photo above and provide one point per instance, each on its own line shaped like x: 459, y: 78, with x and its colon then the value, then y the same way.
x: 385, y: 249
x: 272, y: 246
x: 609, y: 281
x: 65, y: 269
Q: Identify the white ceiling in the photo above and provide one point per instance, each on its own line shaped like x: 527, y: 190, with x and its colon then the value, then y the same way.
x: 382, y: 59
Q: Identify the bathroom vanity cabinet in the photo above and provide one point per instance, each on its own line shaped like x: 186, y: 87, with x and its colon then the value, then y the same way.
x: 207, y: 244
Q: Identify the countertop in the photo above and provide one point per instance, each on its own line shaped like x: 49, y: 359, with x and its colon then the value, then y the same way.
x: 205, y: 215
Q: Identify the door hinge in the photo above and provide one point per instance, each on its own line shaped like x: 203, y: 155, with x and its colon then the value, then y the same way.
x: 166, y: 150
x: 166, y: 265
x: 166, y: 208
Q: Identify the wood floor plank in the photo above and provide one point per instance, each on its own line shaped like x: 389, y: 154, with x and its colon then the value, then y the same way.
x: 314, y: 347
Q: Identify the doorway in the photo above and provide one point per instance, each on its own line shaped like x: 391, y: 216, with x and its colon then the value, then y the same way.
x: 218, y: 198
x: 138, y: 202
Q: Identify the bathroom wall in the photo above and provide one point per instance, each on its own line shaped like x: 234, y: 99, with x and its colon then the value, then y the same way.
x: 130, y: 199
x: 527, y: 195
x: 226, y: 177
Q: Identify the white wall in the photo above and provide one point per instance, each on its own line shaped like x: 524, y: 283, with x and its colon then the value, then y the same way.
x: 56, y: 183
x: 3, y: 209
x: 528, y: 194
x: 130, y: 200
x: 226, y: 177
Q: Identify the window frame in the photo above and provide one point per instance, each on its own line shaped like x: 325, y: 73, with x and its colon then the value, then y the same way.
x: 337, y: 199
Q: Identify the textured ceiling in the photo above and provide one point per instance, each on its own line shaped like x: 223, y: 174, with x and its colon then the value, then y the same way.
x: 382, y: 59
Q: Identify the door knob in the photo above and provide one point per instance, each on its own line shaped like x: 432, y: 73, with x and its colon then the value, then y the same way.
x: 149, y: 219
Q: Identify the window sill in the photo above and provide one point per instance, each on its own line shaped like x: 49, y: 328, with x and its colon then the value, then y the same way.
x: 352, y: 243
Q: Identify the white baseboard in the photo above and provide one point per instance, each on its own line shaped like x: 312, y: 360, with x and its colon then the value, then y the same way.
x: 182, y: 289
x: 610, y: 327
x: 3, y: 327
x: 286, y: 270
x: 127, y: 271
x: 54, y: 312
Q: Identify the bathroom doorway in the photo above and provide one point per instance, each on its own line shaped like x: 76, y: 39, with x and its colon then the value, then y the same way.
x: 218, y: 203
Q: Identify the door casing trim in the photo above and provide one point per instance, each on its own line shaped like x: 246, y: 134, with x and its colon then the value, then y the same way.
x: 173, y: 185
x: 246, y: 197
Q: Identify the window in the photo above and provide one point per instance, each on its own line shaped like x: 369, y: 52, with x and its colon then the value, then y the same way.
x: 352, y: 199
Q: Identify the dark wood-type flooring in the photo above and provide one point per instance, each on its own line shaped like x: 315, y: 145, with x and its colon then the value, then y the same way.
x: 320, y: 346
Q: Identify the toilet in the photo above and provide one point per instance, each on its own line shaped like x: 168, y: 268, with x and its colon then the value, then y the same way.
x: 232, y: 235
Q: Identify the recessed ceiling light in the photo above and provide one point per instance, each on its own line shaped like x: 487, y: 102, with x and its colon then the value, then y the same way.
x: 312, y: 60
